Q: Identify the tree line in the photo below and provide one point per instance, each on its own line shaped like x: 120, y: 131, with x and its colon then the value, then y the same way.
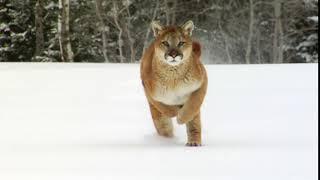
x: 118, y: 31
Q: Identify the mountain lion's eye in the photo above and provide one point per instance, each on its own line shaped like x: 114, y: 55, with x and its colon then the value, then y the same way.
x: 165, y: 43
x: 181, y: 44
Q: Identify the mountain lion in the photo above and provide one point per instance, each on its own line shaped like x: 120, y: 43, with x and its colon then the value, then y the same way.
x: 174, y: 80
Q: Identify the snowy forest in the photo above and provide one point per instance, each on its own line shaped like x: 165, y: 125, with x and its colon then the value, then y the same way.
x: 118, y: 31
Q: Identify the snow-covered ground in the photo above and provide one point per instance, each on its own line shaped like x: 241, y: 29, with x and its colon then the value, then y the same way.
x: 91, y: 121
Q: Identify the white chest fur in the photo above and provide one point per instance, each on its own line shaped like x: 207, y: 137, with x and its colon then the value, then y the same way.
x: 175, y: 96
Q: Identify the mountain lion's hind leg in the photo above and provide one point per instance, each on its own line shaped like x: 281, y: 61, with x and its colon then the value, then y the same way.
x: 162, y: 123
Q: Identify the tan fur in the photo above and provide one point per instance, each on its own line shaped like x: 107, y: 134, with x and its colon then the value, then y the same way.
x: 175, y: 90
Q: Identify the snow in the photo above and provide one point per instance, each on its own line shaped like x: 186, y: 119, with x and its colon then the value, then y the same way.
x: 306, y: 44
x: 314, y: 18
x: 52, y: 5
x: 91, y: 121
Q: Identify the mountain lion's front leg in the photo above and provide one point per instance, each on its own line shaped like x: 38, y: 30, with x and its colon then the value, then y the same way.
x: 192, y: 107
x: 194, y: 131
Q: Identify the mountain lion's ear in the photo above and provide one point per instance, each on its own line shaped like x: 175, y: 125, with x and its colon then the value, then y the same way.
x: 188, y: 28
x: 156, y: 27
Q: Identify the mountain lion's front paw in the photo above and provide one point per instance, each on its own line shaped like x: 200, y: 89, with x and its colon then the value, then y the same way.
x: 182, y: 118
x: 193, y: 144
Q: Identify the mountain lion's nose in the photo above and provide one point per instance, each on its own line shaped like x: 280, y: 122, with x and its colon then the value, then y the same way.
x: 173, y: 53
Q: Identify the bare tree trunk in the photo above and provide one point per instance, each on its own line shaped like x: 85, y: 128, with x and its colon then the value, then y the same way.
x: 171, y: 6
x: 131, y: 40
x: 39, y: 28
x: 249, y: 43
x: 226, y: 46
x: 174, y: 12
x: 145, y: 44
x: 259, y: 46
x: 167, y: 11
x: 64, y: 31
x: 281, y: 42
x: 116, y: 21
x: 102, y: 27
x: 278, y: 33
x: 275, y: 45
x: 279, y: 22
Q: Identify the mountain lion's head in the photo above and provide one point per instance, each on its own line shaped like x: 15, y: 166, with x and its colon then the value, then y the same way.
x: 173, y: 44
